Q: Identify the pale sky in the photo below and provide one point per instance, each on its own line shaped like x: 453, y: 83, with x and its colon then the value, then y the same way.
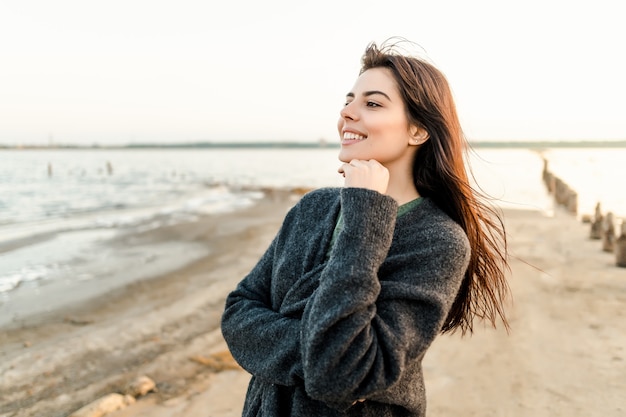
x: 137, y: 71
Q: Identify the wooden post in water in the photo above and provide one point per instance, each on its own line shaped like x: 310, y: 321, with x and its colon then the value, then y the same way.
x: 550, y: 180
x: 620, y: 247
x: 608, y: 233
x: 572, y: 202
x: 596, y: 224
x: 547, y: 176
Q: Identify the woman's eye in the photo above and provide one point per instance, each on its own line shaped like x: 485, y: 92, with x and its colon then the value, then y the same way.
x: 372, y: 104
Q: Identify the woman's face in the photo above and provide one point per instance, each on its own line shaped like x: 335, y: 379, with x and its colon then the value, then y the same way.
x: 373, y: 122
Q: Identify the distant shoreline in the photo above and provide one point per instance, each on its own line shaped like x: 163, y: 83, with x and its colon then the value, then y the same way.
x: 287, y: 145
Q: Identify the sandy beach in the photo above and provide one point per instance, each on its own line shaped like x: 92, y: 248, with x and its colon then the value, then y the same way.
x: 565, y: 354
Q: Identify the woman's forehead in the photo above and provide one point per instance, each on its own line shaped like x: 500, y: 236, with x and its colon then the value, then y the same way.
x: 376, y: 79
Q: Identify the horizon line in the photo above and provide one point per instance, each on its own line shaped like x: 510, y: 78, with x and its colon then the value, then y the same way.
x: 315, y: 144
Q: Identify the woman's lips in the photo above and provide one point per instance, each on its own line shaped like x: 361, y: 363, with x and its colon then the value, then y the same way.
x: 351, y: 137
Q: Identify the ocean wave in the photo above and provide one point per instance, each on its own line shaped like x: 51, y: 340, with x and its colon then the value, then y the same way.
x: 33, y: 251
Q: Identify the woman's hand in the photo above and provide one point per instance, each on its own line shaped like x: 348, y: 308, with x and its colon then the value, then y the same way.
x: 365, y: 174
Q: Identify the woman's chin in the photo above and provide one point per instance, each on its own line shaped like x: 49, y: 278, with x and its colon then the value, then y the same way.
x: 346, y: 156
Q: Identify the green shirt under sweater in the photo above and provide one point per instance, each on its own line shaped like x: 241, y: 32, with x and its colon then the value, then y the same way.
x: 402, y: 210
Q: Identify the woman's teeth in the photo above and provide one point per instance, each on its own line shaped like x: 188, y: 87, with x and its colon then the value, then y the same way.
x: 353, y: 136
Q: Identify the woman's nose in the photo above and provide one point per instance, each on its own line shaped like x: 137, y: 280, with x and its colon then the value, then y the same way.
x: 348, y: 112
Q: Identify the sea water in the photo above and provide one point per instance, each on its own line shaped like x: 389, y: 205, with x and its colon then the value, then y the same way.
x: 60, y: 209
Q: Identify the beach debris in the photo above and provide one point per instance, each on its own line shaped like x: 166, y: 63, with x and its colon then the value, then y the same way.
x: 141, y: 386
x: 217, y: 362
x: 115, y: 401
x: 596, y: 225
x: 77, y: 321
x: 608, y: 233
x: 104, y: 405
x: 620, y: 247
x: 301, y: 190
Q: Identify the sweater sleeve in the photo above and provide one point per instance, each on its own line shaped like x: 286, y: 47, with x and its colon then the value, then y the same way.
x: 264, y: 342
x: 364, y: 325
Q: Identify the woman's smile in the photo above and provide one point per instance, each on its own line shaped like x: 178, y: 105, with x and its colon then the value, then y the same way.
x: 349, y: 138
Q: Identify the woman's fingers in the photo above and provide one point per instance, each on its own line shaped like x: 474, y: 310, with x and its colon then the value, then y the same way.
x: 365, y: 174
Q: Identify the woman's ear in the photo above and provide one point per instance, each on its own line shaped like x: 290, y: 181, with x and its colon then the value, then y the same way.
x: 418, y: 135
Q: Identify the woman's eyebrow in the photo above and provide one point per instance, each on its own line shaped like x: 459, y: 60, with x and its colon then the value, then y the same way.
x: 369, y: 93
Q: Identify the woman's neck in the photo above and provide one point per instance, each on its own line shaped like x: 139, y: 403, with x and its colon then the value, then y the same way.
x: 401, y: 186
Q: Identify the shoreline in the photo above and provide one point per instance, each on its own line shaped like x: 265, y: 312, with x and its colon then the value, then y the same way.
x: 84, y: 263
x: 53, y: 363
x: 565, y: 353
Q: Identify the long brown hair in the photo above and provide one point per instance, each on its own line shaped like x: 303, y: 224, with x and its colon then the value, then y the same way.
x: 439, y: 173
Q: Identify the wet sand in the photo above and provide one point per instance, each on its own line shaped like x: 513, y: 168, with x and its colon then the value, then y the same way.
x: 565, y: 354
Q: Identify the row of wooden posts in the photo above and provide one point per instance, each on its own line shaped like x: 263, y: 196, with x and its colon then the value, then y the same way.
x: 602, y: 226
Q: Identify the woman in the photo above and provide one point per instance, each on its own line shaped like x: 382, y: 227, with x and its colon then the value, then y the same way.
x: 337, y: 315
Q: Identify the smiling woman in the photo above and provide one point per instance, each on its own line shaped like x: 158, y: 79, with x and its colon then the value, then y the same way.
x: 337, y: 315
x: 373, y: 125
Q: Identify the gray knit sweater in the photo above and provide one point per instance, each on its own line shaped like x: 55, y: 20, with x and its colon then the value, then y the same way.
x: 318, y: 333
